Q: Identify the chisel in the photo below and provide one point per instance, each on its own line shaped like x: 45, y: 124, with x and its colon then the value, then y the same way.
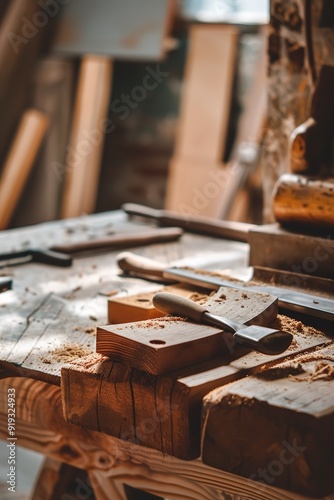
x: 307, y: 303
x: 259, y: 338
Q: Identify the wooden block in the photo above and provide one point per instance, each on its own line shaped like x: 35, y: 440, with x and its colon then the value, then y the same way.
x: 289, y: 410
x: 159, y: 411
x: 170, y: 343
x: 277, y: 248
x: 139, y: 307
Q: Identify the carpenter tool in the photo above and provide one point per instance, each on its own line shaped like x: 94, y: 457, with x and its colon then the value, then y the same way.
x: 57, y: 255
x: 237, y: 231
x: 259, y: 338
x: 5, y: 284
x: 307, y: 303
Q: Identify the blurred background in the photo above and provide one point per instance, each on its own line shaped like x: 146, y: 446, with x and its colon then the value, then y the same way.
x: 43, y: 45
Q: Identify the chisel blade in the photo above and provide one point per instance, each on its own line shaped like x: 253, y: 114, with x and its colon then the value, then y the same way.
x: 306, y: 303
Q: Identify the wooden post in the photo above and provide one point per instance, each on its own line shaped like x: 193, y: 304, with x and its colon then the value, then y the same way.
x: 19, y: 162
x: 87, y: 136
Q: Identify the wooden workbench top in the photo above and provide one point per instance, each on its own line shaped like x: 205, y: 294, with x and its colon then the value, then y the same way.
x: 50, y: 316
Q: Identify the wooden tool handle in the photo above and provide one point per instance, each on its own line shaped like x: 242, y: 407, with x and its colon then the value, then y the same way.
x: 122, y: 241
x: 19, y: 162
x: 306, y: 201
x: 178, y: 306
x: 132, y: 263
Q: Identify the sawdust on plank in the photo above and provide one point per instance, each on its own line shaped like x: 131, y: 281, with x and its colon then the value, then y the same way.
x: 65, y: 354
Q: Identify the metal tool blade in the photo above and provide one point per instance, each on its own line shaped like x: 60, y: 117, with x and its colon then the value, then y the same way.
x: 307, y: 303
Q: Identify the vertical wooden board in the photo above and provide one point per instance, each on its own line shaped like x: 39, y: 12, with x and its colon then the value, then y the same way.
x: 198, y: 187
x: 88, y: 129
x: 19, y: 162
x: 205, y: 103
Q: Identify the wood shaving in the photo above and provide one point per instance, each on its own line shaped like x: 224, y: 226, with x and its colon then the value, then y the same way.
x: 293, y: 326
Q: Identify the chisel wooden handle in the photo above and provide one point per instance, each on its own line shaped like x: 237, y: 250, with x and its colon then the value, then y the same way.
x: 306, y: 201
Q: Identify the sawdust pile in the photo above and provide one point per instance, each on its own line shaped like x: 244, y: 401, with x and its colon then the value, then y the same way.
x: 66, y: 354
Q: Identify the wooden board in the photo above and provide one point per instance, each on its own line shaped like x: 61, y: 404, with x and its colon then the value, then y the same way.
x: 289, y: 408
x: 122, y: 30
x: 204, y: 116
x: 167, y: 344
x: 139, y: 307
x: 159, y: 411
x: 277, y: 248
x: 89, y: 126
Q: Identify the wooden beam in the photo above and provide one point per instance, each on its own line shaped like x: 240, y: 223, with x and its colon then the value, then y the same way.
x: 276, y: 427
x: 111, y: 463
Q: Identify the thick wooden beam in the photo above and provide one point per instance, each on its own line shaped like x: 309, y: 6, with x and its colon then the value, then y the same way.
x: 276, y: 427
x: 112, y: 462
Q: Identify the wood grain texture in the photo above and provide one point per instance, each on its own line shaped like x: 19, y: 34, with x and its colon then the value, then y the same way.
x: 157, y: 411
x: 112, y: 462
x: 290, y: 410
x: 167, y: 344
x: 19, y: 162
x: 87, y: 135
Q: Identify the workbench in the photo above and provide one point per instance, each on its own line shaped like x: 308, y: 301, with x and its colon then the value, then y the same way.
x: 47, y: 326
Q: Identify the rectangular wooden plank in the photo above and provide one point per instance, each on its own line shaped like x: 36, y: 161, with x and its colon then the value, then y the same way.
x: 206, y: 102
x: 165, y: 344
